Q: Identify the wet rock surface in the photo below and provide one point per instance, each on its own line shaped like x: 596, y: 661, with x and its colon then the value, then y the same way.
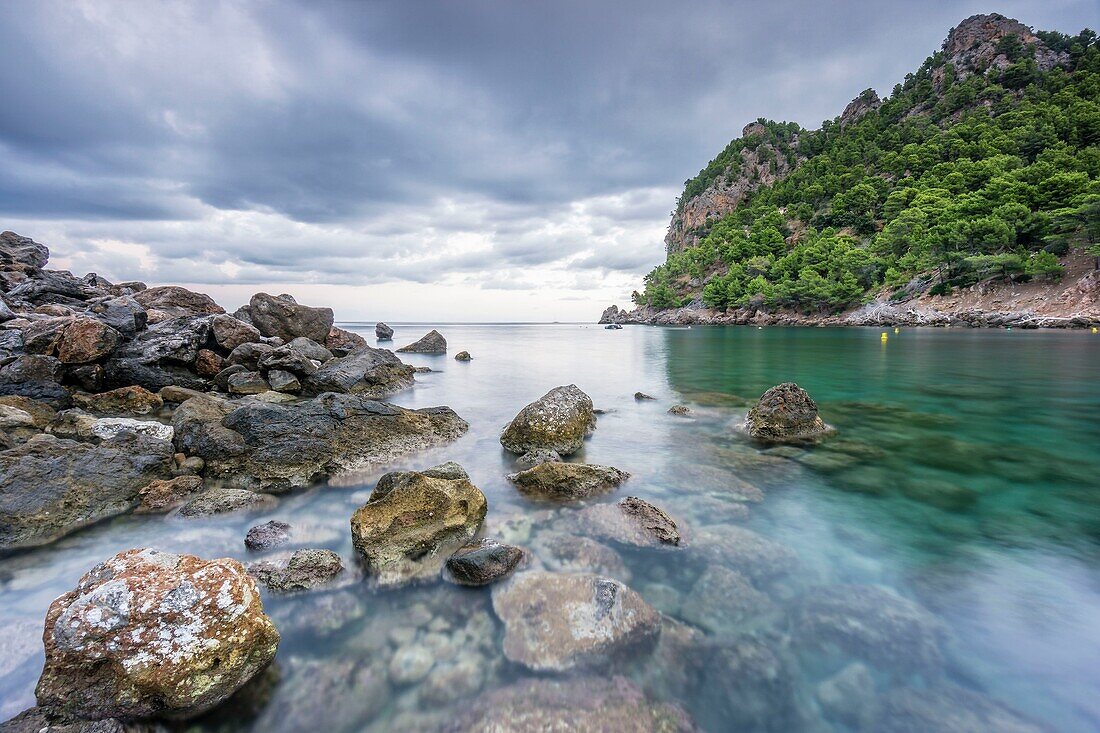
x: 786, y: 413
x: 557, y: 421
x: 265, y: 536
x: 300, y: 570
x: 164, y: 495
x: 561, y: 621
x: 556, y: 481
x: 483, y: 562
x: 152, y: 634
x: 631, y: 521
x: 724, y: 602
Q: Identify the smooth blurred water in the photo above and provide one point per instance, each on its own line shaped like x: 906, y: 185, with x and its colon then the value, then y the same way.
x: 965, y: 476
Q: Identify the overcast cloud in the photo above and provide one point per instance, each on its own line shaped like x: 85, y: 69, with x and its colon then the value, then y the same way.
x: 448, y: 160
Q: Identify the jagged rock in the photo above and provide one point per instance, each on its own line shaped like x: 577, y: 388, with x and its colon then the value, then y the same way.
x: 230, y: 331
x: 310, y: 349
x: 106, y: 428
x: 387, y: 482
x: 223, y: 501
x: 152, y: 634
x: 124, y: 314
x: 162, y: 496
x: 463, y: 356
x: 208, y: 363
x: 483, y: 562
x: 282, y: 381
x: 11, y: 345
x: 22, y: 251
x: 89, y: 376
x: 267, y: 535
x: 574, y: 554
x: 288, y: 358
x: 281, y: 316
x: 595, y: 704
x: 34, y: 376
x: 680, y: 411
x: 85, y: 340
x: 631, y: 521
x: 50, y: 487
x: 430, y: 343
x: 171, y: 301
x: 724, y: 602
x: 870, y: 623
x: 152, y: 376
x: 268, y: 446
x: 370, y: 372
x: 556, y: 622
x: 530, y: 459
x: 132, y: 400
x: 40, y: 412
x: 558, y: 421
x: 343, y: 341
x: 945, y: 707
x: 567, y: 481
x: 301, y: 570
x: 761, y: 559
x: 249, y: 355
x: 409, y: 531
x: 972, y: 46
x: 383, y: 332
x: 786, y: 413
x: 247, y: 382
x: 859, y: 107
x: 610, y: 315
x: 641, y: 396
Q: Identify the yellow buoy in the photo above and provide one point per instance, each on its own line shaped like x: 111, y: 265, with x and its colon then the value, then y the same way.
x: 897, y: 330
x: 1095, y: 329
x: 884, y: 336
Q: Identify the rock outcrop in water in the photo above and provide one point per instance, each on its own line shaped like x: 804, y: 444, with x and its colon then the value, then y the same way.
x: 151, y: 634
x: 786, y: 414
x: 430, y: 343
x: 558, y: 481
x: 557, y: 421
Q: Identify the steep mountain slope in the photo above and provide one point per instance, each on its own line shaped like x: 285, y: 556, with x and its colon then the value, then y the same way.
x: 978, y: 174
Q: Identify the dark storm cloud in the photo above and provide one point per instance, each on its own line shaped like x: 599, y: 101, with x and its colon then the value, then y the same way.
x: 302, y: 137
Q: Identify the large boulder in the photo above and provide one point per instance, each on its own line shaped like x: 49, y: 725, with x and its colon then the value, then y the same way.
x: 35, y: 376
x: 268, y: 446
x: 124, y: 314
x: 567, y: 481
x: 763, y: 560
x: 555, y: 622
x: 382, y: 332
x: 86, y: 340
x: 22, y: 251
x: 724, y: 602
x: 151, y: 634
x: 171, y: 301
x: 631, y: 521
x: 281, y: 316
x: 595, y: 704
x: 162, y: 355
x: 408, y: 529
x: 131, y: 400
x: 230, y: 331
x: 430, y: 343
x: 50, y: 487
x: 343, y: 341
x: 482, y: 562
x: 558, y: 421
x: 367, y: 371
x: 786, y: 414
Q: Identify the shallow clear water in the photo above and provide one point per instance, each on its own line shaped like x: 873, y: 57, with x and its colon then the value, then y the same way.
x: 965, y: 477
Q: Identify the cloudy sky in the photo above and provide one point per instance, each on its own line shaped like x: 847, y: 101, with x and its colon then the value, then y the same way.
x: 415, y: 160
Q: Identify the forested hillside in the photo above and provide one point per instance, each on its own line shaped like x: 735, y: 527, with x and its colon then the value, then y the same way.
x: 984, y: 163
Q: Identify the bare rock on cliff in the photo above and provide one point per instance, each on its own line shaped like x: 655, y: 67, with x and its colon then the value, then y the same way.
x: 868, y: 101
x: 152, y: 634
x: 974, y: 45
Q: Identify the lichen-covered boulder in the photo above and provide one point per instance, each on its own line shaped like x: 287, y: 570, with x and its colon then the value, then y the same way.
x: 567, y: 481
x: 268, y: 446
x: 590, y: 704
x: 407, y: 532
x: 430, y: 343
x: 281, y: 316
x: 153, y: 634
x: 555, y: 622
x: 786, y: 414
x: 558, y: 421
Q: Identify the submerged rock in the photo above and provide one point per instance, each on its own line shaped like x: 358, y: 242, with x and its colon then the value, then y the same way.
x: 557, y: 421
x: 631, y: 521
x: 574, y: 554
x: 595, y: 704
x: 786, y: 413
x: 759, y: 558
x: 724, y: 602
x: 223, y: 501
x: 871, y: 623
x: 483, y: 562
x: 265, y: 446
x: 326, y: 694
x: 382, y: 332
x: 152, y: 634
x: 848, y: 695
x: 748, y: 684
x: 407, y: 531
x: 642, y: 396
x: 533, y: 458
x: 947, y: 708
x: 567, y: 481
x: 430, y: 343
x: 50, y: 487
x: 267, y: 535
x: 301, y: 570
x: 556, y: 622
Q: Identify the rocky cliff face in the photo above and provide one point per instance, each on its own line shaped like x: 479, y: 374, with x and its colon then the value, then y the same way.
x: 974, y: 46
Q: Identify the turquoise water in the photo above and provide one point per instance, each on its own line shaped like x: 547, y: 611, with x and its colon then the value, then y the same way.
x: 964, y: 477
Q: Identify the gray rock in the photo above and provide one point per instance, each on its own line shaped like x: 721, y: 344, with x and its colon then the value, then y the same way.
x: 267, y: 535
x: 24, y: 251
x: 724, y: 602
x: 558, y: 421
x: 224, y: 501
x: 172, y: 341
x: 945, y: 708
x: 282, y: 317
x: 764, y: 561
x: 124, y: 314
x: 784, y: 414
x: 106, y: 428
x: 123, y: 372
x: 747, y: 686
x: 533, y: 458
x: 430, y: 343
x: 311, y: 349
x: 301, y: 570
x: 631, y: 521
x: 247, y: 382
x: 383, y: 332
x: 249, y: 354
x: 342, y: 343
x: 370, y: 372
x: 288, y: 358
x: 463, y: 356
x: 281, y: 381
x: 574, y: 554
x: 50, y: 487
x: 34, y: 376
x: 172, y: 301
x: 848, y: 695
x: 230, y: 331
x: 640, y: 396
x: 556, y: 622
x: 483, y: 562
x: 567, y: 481
x: 259, y: 445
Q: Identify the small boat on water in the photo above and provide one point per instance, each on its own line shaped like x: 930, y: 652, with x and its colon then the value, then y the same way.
x: 613, y: 327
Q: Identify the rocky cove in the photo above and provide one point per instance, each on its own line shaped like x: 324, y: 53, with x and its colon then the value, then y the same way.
x: 304, y: 539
